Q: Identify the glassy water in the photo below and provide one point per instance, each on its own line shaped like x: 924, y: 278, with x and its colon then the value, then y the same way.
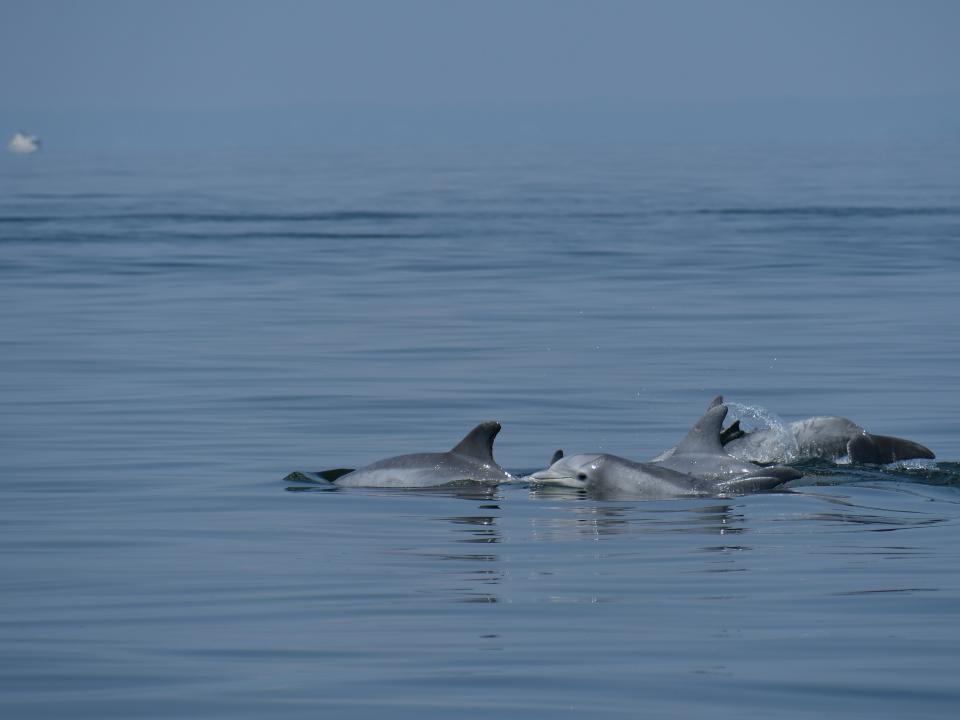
x: 177, y: 333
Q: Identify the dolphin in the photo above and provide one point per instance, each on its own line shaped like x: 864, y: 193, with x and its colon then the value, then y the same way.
x: 469, y: 462
x: 827, y: 438
x: 702, y: 454
x: 607, y: 476
x: 697, y: 468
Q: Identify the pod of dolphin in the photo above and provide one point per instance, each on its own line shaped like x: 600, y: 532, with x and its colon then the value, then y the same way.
x: 710, y: 461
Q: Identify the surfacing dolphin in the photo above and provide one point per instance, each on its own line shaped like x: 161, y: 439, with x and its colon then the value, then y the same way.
x: 698, y: 467
x: 469, y: 462
x: 702, y: 454
x: 607, y: 476
x: 826, y: 438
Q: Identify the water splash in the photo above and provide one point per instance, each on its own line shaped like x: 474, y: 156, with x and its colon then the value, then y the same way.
x: 779, y: 443
x: 914, y: 464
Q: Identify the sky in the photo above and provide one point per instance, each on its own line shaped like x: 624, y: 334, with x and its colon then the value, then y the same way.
x: 154, y: 72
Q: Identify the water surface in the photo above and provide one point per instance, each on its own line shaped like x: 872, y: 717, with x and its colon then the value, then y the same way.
x: 178, y: 333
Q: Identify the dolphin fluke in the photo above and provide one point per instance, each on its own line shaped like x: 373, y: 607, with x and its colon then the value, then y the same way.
x: 881, y: 449
x: 556, y: 456
x: 478, y: 443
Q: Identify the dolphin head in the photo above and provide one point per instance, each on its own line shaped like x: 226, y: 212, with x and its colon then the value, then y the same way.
x: 575, y: 471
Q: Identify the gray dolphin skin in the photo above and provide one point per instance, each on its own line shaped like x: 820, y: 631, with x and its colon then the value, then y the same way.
x: 815, y: 438
x: 612, y: 477
x: 825, y: 438
x: 469, y: 462
x: 603, y: 475
x: 698, y: 467
x: 702, y: 455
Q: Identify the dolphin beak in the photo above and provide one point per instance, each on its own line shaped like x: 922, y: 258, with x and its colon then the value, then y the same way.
x: 549, y: 477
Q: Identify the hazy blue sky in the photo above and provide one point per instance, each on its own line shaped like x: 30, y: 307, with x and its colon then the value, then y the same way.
x: 480, y: 66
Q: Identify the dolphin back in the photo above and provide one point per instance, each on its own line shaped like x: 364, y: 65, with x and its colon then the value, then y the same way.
x: 881, y: 449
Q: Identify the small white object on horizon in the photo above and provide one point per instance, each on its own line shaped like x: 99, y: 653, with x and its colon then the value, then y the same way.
x: 23, y: 144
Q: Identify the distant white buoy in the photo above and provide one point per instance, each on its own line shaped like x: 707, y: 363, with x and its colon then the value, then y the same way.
x: 23, y: 144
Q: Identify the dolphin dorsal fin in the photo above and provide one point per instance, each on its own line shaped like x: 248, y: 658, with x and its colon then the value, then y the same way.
x: 704, y: 437
x: 478, y: 443
x: 717, y: 401
x: 556, y: 456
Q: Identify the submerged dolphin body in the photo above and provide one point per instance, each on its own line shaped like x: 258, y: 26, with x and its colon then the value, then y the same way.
x: 698, y: 467
x: 470, y: 461
x: 827, y: 438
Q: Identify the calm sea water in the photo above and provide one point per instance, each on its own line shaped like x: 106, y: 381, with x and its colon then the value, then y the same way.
x: 178, y: 333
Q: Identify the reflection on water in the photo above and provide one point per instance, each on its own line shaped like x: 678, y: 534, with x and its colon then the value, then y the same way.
x: 481, y: 529
x: 884, y: 523
x: 909, y: 507
x: 591, y: 519
x: 448, y: 572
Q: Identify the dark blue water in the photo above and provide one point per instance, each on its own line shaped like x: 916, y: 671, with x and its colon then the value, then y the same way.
x: 178, y: 333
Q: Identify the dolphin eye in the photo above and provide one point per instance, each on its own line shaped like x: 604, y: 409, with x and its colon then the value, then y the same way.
x: 581, y: 476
